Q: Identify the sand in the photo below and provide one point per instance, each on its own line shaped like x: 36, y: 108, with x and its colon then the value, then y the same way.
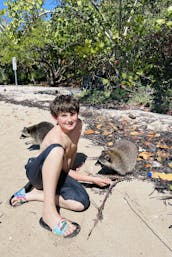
x: 135, y: 222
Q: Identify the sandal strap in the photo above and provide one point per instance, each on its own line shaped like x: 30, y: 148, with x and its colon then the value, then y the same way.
x: 61, y: 227
x: 21, y: 194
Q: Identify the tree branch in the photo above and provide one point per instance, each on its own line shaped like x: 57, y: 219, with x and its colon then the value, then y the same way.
x: 99, y: 215
x: 109, y: 33
x: 129, y: 19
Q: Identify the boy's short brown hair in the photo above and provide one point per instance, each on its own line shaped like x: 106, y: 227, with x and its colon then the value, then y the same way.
x: 64, y: 103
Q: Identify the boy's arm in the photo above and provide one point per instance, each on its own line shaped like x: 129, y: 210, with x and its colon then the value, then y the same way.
x: 74, y: 152
x: 100, y: 181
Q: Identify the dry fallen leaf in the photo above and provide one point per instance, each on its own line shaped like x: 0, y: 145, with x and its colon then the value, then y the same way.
x: 146, y: 155
x: 134, y: 133
x: 148, y: 143
x: 157, y: 135
x: 97, y: 132
x: 110, y: 143
x: 170, y: 165
x: 162, y: 155
x: 161, y: 145
x: 106, y: 132
x: 89, y: 132
x: 112, y: 126
x: 99, y: 126
x: 147, y: 165
x: 123, y: 124
x: 152, y: 134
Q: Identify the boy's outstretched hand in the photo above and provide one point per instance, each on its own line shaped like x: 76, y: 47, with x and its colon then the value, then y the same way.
x: 101, y: 182
x: 97, y: 180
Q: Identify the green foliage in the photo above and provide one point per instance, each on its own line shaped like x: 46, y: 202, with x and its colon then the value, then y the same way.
x: 158, y: 58
x: 125, y: 43
x: 95, y: 97
x: 143, y: 95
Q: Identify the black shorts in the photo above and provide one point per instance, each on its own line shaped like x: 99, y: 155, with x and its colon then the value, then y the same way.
x: 67, y: 187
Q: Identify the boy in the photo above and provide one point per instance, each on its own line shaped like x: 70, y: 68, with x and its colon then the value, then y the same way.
x: 51, y: 178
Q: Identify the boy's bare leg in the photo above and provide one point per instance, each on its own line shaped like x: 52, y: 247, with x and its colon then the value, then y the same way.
x: 38, y: 195
x: 33, y: 195
x: 69, y: 204
x: 50, y: 174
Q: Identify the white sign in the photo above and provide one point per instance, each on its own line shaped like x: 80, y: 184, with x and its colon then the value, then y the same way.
x: 14, y: 62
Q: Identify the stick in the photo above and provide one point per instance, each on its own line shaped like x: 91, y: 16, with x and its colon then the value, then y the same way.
x: 99, y: 215
x: 148, y: 225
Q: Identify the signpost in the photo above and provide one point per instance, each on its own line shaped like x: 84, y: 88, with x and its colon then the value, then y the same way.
x: 14, y: 63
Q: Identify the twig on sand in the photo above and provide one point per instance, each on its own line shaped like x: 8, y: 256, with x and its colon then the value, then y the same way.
x: 156, y: 233
x: 99, y: 215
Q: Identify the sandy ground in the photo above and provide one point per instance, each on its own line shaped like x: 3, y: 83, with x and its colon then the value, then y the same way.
x: 134, y: 223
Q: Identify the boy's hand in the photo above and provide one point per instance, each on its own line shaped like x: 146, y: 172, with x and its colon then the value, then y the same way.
x: 102, y: 182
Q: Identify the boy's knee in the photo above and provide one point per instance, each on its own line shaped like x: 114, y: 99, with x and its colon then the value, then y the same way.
x: 79, y: 207
x: 82, y: 206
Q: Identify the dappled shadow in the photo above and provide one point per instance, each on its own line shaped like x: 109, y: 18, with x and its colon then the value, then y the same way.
x: 33, y: 147
x: 79, y: 160
x: 106, y: 171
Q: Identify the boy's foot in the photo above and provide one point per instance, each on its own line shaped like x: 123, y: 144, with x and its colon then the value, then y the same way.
x: 19, y: 197
x: 62, y: 227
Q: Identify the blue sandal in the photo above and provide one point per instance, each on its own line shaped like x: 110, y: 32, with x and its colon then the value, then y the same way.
x: 61, y: 227
x: 21, y: 195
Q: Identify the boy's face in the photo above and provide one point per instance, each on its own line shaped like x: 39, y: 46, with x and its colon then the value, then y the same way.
x: 67, y: 120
